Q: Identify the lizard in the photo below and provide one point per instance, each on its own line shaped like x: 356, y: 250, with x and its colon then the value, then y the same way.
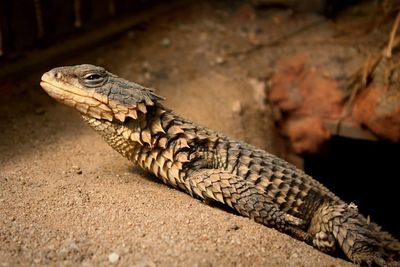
x: 216, y: 168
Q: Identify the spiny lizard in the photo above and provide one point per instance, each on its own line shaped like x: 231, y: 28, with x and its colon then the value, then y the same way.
x: 213, y: 167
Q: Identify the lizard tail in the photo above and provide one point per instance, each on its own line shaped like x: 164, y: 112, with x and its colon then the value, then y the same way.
x: 363, y: 242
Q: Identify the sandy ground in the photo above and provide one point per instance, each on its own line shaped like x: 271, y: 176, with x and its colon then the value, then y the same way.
x: 67, y: 199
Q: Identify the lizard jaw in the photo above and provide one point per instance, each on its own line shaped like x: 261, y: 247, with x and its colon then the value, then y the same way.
x: 88, y: 102
x: 78, y: 100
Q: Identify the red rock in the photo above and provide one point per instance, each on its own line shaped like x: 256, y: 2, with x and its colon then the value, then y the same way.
x: 378, y: 108
x: 306, y: 98
x: 306, y: 134
x: 285, y: 83
x: 321, y: 96
x: 303, y: 91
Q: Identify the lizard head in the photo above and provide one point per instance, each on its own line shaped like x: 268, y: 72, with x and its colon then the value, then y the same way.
x: 97, y: 93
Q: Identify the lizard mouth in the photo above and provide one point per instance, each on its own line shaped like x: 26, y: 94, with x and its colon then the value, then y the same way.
x: 88, y: 102
x: 79, y: 100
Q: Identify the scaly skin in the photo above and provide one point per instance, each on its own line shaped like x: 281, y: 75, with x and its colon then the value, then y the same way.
x: 213, y: 167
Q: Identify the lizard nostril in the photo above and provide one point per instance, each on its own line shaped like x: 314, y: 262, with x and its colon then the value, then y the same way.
x: 58, y: 75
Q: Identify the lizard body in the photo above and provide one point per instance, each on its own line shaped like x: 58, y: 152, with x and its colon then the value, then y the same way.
x: 213, y: 167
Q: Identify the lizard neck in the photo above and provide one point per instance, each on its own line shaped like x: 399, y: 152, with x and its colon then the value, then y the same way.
x: 158, y: 141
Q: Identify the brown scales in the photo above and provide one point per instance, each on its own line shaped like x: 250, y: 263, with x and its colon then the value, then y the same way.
x: 213, y: 167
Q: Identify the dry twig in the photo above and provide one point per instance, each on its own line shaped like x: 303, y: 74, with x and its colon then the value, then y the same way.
x: 387, y: 52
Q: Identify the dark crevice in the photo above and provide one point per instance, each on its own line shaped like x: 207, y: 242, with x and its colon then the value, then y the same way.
x: 364, y: 172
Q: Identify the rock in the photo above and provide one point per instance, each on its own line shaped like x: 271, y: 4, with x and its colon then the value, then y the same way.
x: 146, y: 66
x: 113, y: 257
x: 166, y: 42
x: 306, y: 134
x: 301, y: 90
x: 378, y: 108
x: 220, y: 60
x: 77, y: 169
x: 233, y: 227
x: 258, y: 91
x: 237, y: 107
x: 305, y: 98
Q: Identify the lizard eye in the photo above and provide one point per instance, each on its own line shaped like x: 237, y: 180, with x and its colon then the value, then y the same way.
x: 93, y: 79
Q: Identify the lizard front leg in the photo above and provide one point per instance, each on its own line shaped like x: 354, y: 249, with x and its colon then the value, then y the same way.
x: 227, y: 188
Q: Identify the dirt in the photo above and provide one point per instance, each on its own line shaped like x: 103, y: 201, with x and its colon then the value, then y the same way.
x: 68, y: 199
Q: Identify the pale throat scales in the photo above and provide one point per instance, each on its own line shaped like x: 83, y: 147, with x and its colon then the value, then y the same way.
x: 153, y: 141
